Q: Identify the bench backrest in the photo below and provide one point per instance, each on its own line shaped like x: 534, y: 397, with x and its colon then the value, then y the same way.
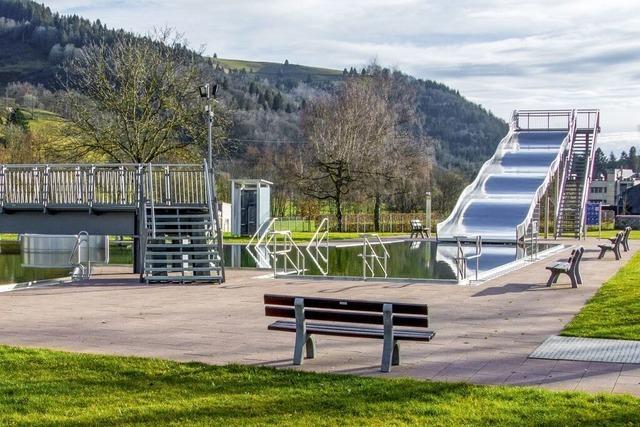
x: 416, y: 224
x: 619, y: 237
x: 347, y: 311
x: 627, y: 231
x: 576, y: 256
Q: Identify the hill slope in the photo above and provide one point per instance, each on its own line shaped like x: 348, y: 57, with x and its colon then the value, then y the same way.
x: 266, y: 97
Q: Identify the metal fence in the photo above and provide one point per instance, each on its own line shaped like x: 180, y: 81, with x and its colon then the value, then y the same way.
x: 352, y: 223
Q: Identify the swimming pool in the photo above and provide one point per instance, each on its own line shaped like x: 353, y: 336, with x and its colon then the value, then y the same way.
x: 423, y: 260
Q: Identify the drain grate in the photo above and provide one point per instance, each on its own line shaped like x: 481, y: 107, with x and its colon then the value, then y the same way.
x: 588, y: 350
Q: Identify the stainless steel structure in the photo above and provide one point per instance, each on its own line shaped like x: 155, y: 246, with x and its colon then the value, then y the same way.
x: 542, y: 147
x: 169, y: 210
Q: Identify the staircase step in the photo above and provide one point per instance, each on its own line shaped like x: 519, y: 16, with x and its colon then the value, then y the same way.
x: 183, y: 279
x: 181, y: 269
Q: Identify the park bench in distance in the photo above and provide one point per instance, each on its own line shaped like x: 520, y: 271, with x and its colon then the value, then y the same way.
x: 571, y: 268
x: 625, y: 239
x: 613, y: 247
x: 418, y: 229
x: 349, y: 318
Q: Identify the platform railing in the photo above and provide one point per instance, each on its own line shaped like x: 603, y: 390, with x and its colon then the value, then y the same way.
x: 282, y: 246
x: 462, y: 260
x: 92, y: 185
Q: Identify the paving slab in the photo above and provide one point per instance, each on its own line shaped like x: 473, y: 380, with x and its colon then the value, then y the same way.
x: 484, y: 333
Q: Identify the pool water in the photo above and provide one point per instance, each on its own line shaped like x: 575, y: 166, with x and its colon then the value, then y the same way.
x: 410, y: 259
x: 12, y: 269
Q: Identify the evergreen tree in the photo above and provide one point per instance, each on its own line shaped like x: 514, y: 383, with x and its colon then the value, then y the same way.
x: 18, y: 118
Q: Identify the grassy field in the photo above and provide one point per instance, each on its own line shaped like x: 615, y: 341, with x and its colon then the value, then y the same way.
x: 303, y: 236
x: 614, y: 312
x: 42, y: 388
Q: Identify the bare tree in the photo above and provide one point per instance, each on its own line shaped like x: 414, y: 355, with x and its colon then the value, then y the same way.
x: 343, y: 130
x: 136, y: 100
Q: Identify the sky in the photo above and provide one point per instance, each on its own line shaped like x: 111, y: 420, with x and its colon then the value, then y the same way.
x: 501, y: 54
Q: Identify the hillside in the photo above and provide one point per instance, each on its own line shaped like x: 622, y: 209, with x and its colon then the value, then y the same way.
x: 265, y: 98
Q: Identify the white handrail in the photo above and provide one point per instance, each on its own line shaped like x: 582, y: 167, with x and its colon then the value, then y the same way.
x: 288, y: 245
x: 375, y: 258
x: 257, y: 239
x: 151, y: 192
x: 588, y: 172
x: 521, y: 228
x: 314, y: 247
x: 85, y: 272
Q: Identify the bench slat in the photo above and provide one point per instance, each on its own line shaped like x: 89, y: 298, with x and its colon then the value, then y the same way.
x: 346, y: 316
x: 352, y: 331
x: 353, y: 305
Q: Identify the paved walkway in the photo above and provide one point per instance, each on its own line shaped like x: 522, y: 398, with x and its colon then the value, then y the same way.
x: 484, y: 333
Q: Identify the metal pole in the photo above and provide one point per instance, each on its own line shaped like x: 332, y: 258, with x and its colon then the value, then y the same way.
x: 427, y: 213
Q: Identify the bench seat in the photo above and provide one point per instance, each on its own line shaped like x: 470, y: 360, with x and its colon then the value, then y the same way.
x: 559, y: 266
x: 352, y: 331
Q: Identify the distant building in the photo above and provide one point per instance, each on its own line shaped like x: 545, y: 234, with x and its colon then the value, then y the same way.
x: 608, y: 188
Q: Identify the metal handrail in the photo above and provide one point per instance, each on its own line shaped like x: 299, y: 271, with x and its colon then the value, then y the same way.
x: 314, y: 247
x: 215, y: 231
x: 85, y: 271
x: 96, y: 184
x: 150, y: 192
x: 288, y: 246
x: 259, y: 236
x: 565, y: 169
x: 588, y: 172
x: 462, y: 260
x: 366, y: 265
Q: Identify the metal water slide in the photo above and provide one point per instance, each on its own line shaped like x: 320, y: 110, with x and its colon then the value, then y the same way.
x: 500, y: 204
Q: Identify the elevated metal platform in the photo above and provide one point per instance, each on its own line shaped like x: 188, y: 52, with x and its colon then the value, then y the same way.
x: 121, y: 199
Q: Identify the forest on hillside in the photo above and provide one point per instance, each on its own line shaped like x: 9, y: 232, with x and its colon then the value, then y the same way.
x: 262, y: 110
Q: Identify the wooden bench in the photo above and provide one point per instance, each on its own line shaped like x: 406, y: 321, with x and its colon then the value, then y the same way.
x: 348, y: 318
x: 613, y: 247
x: 625, y: 239
x: 571, y: 268
x: 418, y: 229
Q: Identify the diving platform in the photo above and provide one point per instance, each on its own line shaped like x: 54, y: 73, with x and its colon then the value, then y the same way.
x: 170, y: 211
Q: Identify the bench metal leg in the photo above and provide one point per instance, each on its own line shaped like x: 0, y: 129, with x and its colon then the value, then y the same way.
x: 578, y: 276
x: 389, y: 343
x: 574, y: 280
x: 395, y: 358
x: 616, y: 252
x: 552, y: 279
x: 602, y: 251
x: 310, y: 347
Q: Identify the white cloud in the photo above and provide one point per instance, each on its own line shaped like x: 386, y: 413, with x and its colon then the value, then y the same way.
x: 504, y: 54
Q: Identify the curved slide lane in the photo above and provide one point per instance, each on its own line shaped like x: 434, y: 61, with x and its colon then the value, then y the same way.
x: 503, y: 193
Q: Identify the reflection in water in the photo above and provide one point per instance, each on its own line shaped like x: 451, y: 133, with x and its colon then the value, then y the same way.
x: 13, y: 271
x: 418, y: 260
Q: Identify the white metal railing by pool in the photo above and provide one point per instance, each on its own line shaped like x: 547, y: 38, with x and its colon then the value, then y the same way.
x: 371, y: 257
x: 318, y: 247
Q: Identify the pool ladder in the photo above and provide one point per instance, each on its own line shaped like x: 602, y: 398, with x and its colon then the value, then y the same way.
x: 462, y: 260
x: 81, y: 269
x: 371, y: 257
x: 318, y: 247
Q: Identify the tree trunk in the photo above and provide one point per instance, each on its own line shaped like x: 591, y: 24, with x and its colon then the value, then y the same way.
x: 376, y: 212
x: 339, y: 212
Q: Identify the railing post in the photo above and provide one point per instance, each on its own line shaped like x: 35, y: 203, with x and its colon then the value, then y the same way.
x: 91, y: 189
x: 167, y: 185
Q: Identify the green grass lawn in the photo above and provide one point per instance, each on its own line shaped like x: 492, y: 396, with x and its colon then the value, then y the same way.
x: 614, y: 312
x: 605, y: 234
x: 47, y: 388
x: 304, y: 236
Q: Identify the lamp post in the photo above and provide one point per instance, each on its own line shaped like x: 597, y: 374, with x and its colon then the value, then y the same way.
x: 208, y: 91
x: 427, y: 213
